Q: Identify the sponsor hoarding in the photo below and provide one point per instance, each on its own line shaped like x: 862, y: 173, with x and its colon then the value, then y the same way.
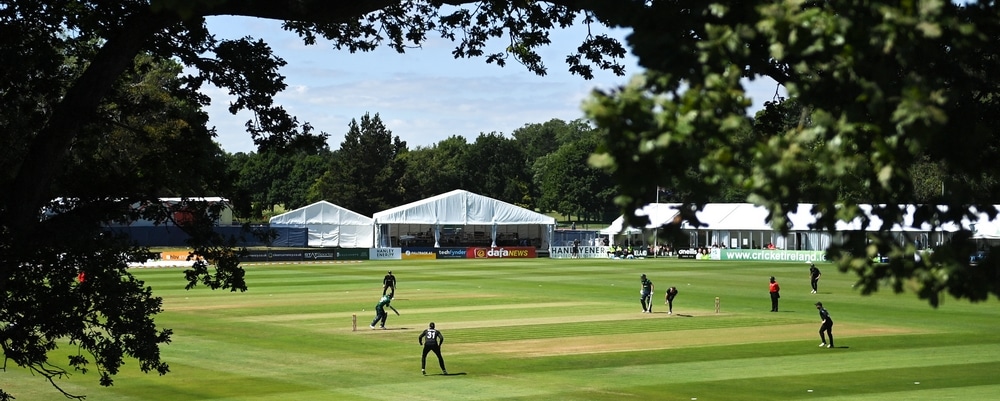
x: 687, y: 254
x: 586, y: 252
x: 385, y: 253
x: 419, y: 253
x: 499, y: 253
x: 352, y: 254
x: 775, y: 255
x: 319, y: 255
x: 452, y: 253
x: 268, y: 256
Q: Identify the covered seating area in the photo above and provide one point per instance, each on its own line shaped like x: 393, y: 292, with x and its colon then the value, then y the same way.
x: 462, y: 219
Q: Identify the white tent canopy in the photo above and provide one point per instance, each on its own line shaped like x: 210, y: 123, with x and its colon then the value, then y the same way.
x: 330, y: 225
x: 453, y: 213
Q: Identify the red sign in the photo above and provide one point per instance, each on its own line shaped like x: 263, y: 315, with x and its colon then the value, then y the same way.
x: 500, y: 253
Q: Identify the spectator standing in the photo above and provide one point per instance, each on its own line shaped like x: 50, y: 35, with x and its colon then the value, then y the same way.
x: 774, y: 289
x: 825, y: 327
x: 433, y: 344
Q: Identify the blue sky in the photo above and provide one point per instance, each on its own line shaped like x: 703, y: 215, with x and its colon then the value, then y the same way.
x: 422, y: 96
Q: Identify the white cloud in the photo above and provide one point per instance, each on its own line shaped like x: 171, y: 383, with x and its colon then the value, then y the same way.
x: 423, y: 97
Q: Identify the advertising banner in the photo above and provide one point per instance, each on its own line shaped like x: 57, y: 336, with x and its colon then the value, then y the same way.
x: 352, y: 254
x: 687, y: 254
x: 419, y: 254
x: 586, y: 252
x: 499, y: 253
x: 385, y: 254
x: 271, y: 256
x: 319, y: 255
x: 452, y: 253
x: 775, y: 255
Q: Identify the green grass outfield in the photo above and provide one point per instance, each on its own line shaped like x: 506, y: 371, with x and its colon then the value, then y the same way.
x: 552, y: 330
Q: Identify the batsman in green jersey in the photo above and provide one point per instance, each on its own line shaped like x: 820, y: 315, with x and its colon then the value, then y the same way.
x: 380, y: 314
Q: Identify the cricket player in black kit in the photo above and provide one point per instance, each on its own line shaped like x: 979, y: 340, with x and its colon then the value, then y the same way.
x: 825, y: 326
x: 814, y: 275
x: 433, y: 343
x: 389, y: 283
x: 669, y: 300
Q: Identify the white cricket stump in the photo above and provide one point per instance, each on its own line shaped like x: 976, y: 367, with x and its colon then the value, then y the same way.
x: 716, y: 304
x: 354, y: 322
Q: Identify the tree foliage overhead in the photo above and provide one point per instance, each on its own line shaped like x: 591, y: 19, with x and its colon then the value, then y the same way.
x: 885, y: 88
x: 86, y: 107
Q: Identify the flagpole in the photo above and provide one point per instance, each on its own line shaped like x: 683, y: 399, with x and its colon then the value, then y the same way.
x: 656, y: 230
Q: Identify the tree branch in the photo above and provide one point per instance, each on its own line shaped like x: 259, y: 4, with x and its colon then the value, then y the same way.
x: 47, y: 151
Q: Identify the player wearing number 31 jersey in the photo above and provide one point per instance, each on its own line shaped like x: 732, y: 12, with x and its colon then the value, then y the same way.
x: 434, y: 340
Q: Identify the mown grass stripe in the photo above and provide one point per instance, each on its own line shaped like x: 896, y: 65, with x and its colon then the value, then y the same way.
x: 553, y: 330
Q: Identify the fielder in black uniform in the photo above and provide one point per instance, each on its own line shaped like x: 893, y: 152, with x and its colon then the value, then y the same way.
x: 826, y: 326
x: 814, y: 277
x: 389, y: 282
x: 434, y: 341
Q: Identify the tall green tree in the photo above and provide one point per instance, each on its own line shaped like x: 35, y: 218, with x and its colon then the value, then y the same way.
x: 885, y: 86
x: 365, y: 175
x: 433, y: 170
x: 570, y: 186
x: 539, y: 140
x: 271, y: 178
x: 496, y: 168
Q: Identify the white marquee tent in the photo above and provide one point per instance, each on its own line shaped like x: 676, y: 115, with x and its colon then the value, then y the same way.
x: 330, y: 225
x: 461, y: 217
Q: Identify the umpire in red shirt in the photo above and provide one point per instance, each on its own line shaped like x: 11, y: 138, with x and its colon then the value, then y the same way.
x: 774, y: 289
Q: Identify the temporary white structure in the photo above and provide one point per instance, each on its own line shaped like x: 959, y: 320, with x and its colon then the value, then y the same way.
x: 743, y: 225
x: 462, y: 217
x: 330, y: 225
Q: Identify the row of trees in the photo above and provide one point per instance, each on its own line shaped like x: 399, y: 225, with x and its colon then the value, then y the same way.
x: 95, y: 114
x: 541, y: 167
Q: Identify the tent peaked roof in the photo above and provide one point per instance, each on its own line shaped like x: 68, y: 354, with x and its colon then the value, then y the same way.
x: 330, y: 225
x: 460, y: 207
x: 321, y: 212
